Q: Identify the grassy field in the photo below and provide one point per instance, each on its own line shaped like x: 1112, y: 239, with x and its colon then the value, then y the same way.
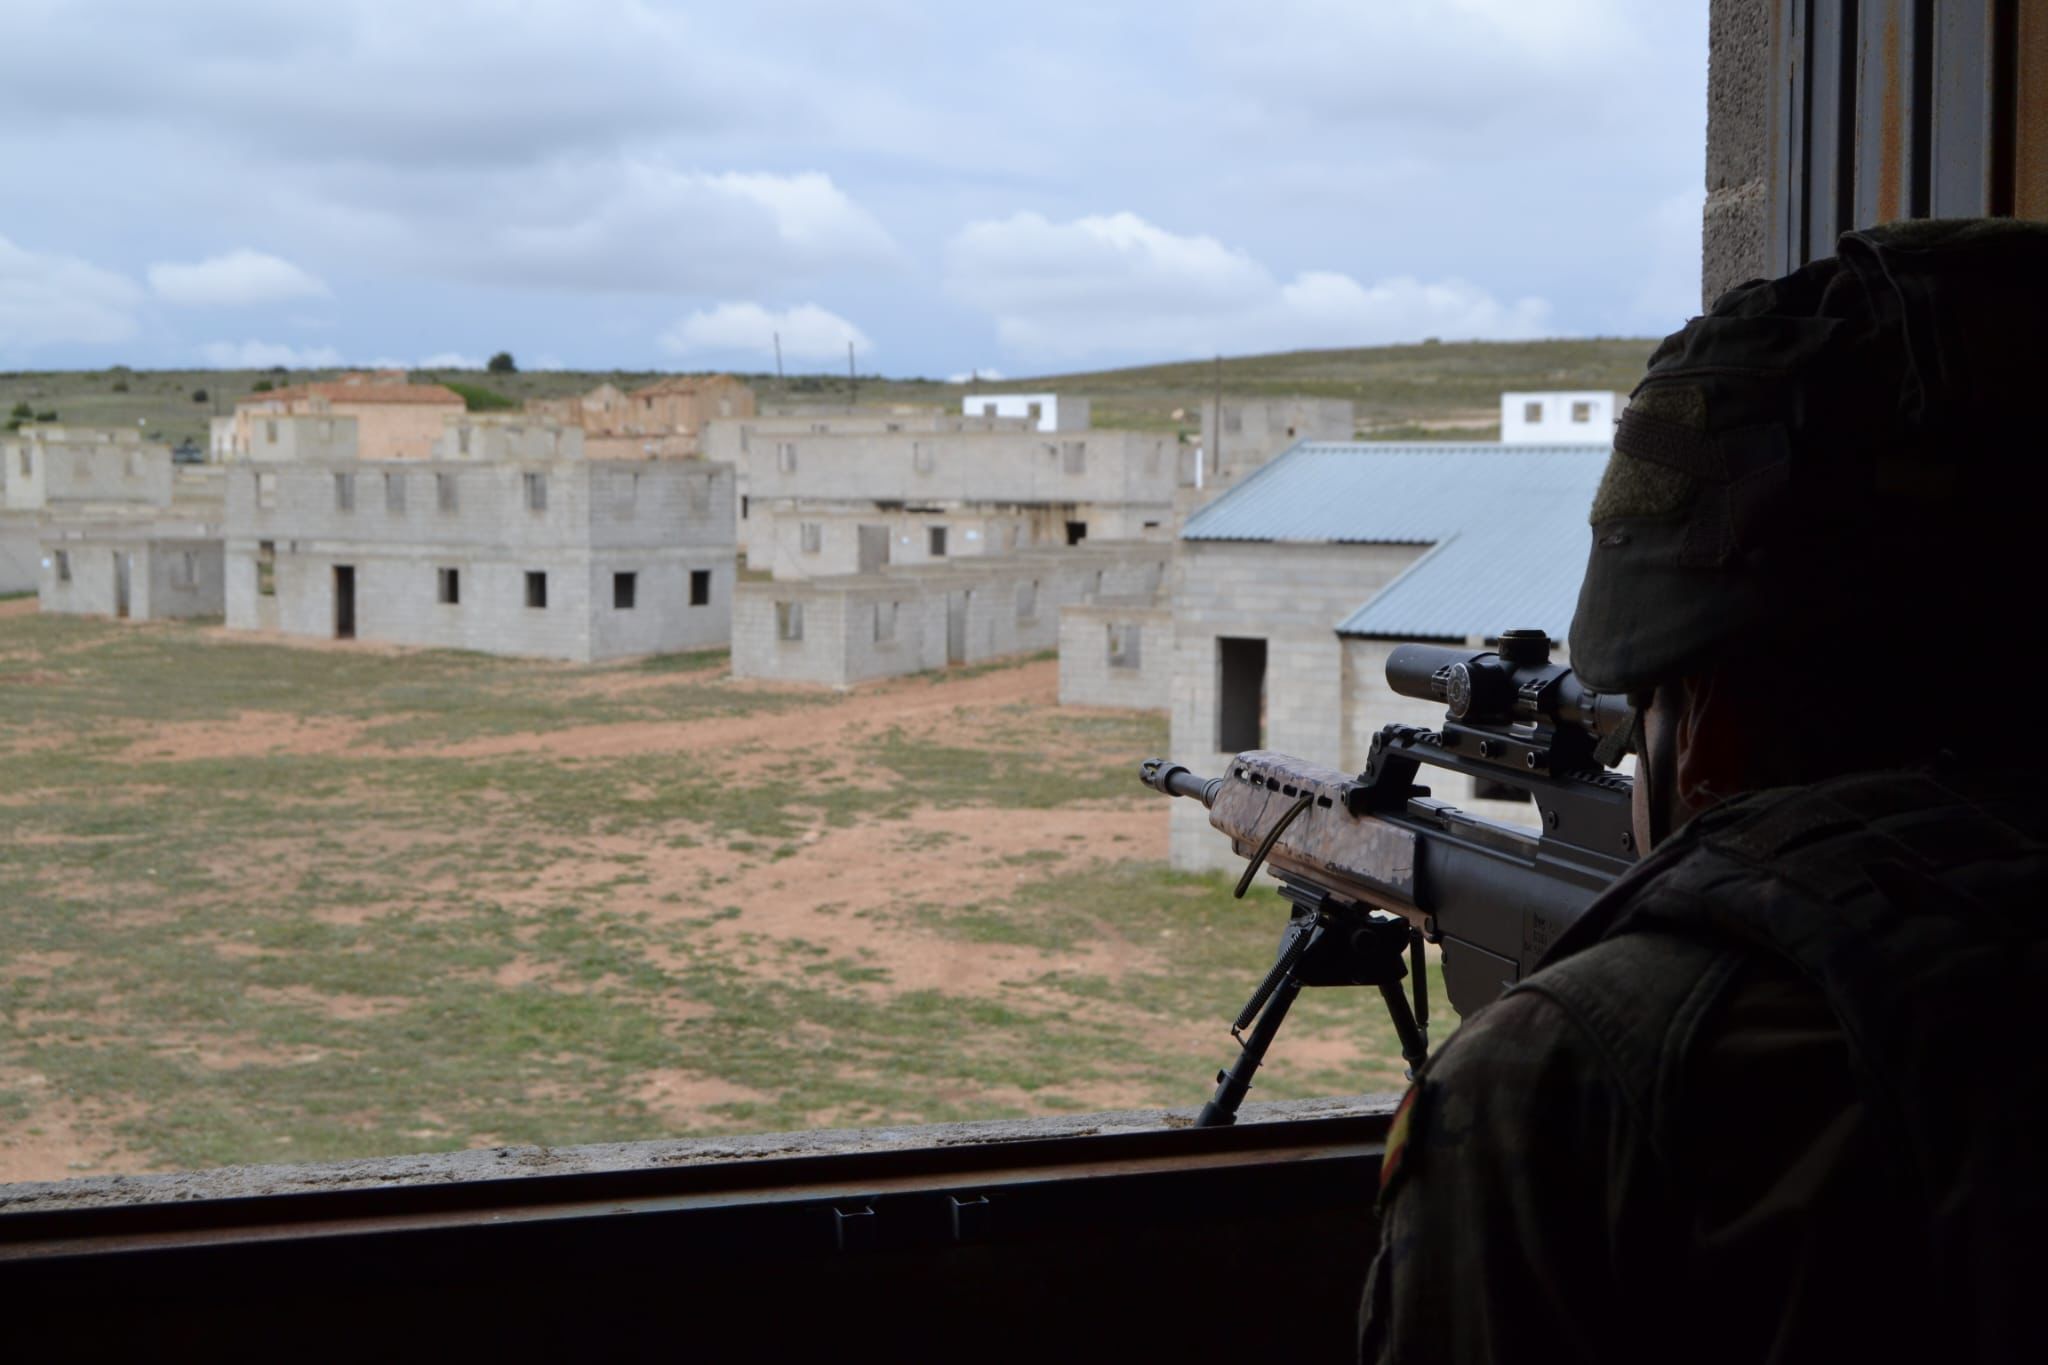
x: 261, y: 902
x: 1399, y: 390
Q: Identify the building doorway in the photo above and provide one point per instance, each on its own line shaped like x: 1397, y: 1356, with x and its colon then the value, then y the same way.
x: 1077, y: 531
x: 344, y: 601
x: 124, y: 573
x: 874, y: 548
x: 1240, y: 694
x: 956, y: 625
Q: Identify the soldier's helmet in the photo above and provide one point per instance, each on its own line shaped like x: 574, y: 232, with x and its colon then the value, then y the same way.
x: 1849, y: 459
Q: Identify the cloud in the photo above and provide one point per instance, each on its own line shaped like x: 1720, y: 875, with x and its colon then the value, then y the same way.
x: 47, y: 299
x: 238, y: 278
x: 808, y: 332
x: 636, y: 224
x: 1118, y: 283
x: 450, y: 360
x: 261, y: 355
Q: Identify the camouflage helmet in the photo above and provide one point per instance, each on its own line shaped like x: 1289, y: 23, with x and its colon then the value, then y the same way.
x: 1856, y: 446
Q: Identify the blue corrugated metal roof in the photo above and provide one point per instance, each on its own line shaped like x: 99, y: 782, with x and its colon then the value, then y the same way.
x: 1402, y: 492
x: 1481, y: 582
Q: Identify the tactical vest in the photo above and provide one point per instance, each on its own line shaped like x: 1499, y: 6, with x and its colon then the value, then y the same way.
x: 1917, y: 903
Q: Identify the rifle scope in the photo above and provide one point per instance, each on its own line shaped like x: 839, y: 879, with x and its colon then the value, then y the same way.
x: 1516, y: 684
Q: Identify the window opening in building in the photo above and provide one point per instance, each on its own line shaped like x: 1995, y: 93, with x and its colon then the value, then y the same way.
x: 812, y: 536
x: 394, y: 494
x: 885, y: 622
x: 462, y: 440
x: 1240, y: 694
x: 1582, y: 412
x: 266, y: 568
x: 450, y: 584
x: 789, y: 620
x: 785, y: 456
x: 1034, y: 411
x: 745, y: 501
x: 1027, y: 600
x: 266, y: 491
x: 344, y: 601
x: 1077, y: 531
x: 624, y: 587
x: 28, y: 464
x: 536, y: 589
x: 936, y: 541
x: 988, y: 409
x: 1532, y: 412
x: 63, y: 558
x: 270, y: 432
x: 344, y: 492
x: 700, y: 587
x: 536, y: 492
x: 1123, y: 645
x: 1074, y: 457
x: 444, y: 492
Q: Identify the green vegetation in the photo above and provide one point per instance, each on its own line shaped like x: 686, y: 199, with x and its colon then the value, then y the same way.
x: 502, y: 363
x: 269, y: 903
x: 477, y: 398
x: 1425, y: 386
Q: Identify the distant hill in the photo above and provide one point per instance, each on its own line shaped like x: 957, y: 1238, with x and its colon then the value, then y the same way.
x: 1399, y: 390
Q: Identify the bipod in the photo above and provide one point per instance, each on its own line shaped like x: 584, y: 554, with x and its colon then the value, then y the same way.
x: 1327, y: 942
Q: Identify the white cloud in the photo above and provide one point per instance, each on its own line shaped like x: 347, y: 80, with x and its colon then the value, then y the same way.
x: 1118, y: 283
x: 450, y: 360
x: 983, y: 376
x: 47, y: 299
x: 235, y: 279
x: 636, y: 224
x: 261, y: 355
x: 808, y: 332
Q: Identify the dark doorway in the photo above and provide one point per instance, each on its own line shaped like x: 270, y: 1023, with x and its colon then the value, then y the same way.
x: 956, y: 627
x: 124, y: 574
x: 1240, y: 694
x: 1077, y: 531
x: 344, y: 601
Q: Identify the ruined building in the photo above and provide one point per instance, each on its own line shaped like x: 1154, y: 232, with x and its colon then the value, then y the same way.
x: 665, y: 418
x: 394, y: 420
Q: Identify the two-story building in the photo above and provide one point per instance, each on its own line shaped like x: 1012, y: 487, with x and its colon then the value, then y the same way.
x: 555, y: 558
x: 119, y: 531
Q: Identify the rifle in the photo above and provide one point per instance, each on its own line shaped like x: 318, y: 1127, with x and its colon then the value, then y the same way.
x: 1372, y: 867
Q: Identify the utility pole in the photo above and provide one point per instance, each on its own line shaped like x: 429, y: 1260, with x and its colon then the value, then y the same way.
x: 778, y: 357
x: 852, y: 381
x: 1215, y: 457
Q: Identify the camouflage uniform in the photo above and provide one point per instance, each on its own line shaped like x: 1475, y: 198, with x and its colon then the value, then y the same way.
x: 1776, y: 1097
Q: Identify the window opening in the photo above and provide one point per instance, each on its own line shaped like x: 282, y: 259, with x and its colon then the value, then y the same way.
x: 700, y: 587
x: 1124, y: 639
x: 935, y: 538
x: 536, y: 589
x: 789, y: 620
x: 344, y: 492
x: 394, y: 494
x: 1240, y: 694
x: 885, y: 622
x: 1077, y: 531
x: 1532, y: 412
x: 811, y: 535
x: 63, y: 558
x: 444, y: 492
x: 266, y: 568
x: 1074, y: 457
x: 624, y: 587
x: 450, y: 586
x: 266, y: 491
x: 785, y: 456
x: 537, y: 492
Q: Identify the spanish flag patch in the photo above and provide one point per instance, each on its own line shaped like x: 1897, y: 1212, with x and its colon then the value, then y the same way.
x: 1398, y: 1134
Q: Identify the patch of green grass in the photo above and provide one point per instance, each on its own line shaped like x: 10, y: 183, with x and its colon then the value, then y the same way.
x: 477, y: 398
x: 693, y: 661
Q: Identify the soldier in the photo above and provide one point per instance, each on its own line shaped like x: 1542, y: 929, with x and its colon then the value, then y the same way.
x: 1777, y: 1097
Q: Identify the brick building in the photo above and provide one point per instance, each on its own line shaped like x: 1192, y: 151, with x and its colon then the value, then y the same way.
x: 394, y: 420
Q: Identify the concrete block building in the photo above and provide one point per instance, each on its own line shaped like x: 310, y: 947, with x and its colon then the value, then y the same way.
x: 1289, y: 591
x: 566, y: 559
x: 1571, y: 417
x: 117, y: 530
x: 658, y: 420
x: 395, y: 420
x: 848, y: 629
x: 1117, y: 652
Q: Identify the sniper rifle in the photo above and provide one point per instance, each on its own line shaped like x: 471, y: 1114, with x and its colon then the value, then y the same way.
x: 1372, y: 867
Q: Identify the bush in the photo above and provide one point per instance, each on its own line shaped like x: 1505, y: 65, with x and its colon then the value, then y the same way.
x: 477, y: 398
x: 199, y: 395
x: 120, y: 386
x: 262, y: 386
x: 49, y: 416
x: 501, y: 363
x: 21, y: 412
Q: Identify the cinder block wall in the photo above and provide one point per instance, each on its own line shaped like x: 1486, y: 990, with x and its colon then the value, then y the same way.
x: 1087, y: 678
x: 1738, y: 144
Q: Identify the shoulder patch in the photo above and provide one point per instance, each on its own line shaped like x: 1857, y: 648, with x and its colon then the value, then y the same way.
x: 1400, y: 1138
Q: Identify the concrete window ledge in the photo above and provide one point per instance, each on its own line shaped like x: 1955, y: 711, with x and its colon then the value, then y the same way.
x: 501, y: 1163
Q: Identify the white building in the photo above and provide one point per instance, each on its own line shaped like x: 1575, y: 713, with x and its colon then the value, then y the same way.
x: 1565, y: 417
x: 1045, y: 411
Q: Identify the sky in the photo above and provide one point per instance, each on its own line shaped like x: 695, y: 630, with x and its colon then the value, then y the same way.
x: 953, y: 188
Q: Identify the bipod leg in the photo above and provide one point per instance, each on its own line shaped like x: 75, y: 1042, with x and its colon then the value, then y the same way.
x: 1233, y: 1084
x: 1414, y: 1043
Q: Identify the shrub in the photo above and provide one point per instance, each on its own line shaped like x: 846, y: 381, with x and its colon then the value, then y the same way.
x: 49, y: 416
x: 262, y: 386
x: 120, y: 386
x: 501, y: 363
x: 21, y: 412
x: 199, y: 395
x: 477, y: 398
